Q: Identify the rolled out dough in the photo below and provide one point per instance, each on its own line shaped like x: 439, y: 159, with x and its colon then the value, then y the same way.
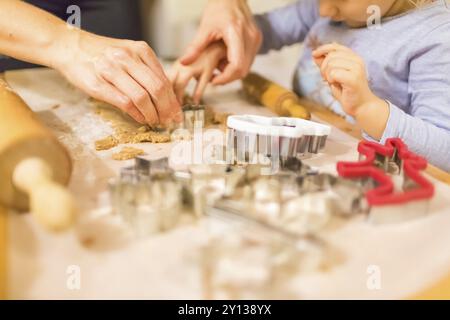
x: 126, y: 130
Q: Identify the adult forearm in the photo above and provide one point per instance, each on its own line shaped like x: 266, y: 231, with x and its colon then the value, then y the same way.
x: 30, y: 34
x: 123, y: 73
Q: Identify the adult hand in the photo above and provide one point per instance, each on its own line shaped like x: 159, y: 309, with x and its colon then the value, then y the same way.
x: 232, y: 22
x: 124, y: 73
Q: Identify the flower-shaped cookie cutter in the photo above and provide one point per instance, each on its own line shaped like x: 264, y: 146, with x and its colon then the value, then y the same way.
x: 281, y: 137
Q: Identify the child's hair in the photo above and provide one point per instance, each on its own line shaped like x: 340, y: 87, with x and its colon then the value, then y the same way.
x: 421, y: 3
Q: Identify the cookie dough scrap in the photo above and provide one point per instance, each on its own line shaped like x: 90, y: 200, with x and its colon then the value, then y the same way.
x: 215, y: 118
x: 141, y: 137
x: 106, y: 144
x: 127, y: 153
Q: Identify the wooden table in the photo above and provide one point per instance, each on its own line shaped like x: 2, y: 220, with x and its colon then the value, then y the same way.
x: 112, y: 267
x: 3, y: 252
x: 3, y: 246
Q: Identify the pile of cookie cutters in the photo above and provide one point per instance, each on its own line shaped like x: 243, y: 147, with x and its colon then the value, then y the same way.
x: 240, y: 263
x: 151, y: 198
x: 281, y: 215
x: 304, y: 198
x: 379, y: 163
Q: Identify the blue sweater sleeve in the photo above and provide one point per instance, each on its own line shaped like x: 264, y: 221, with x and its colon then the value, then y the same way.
x: 426, y: 126
x: 287, y: 25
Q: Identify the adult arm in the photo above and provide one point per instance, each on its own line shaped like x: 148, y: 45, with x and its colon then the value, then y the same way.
x: 124, y: 73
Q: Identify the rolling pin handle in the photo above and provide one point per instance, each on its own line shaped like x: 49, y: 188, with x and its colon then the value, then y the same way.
x: 51, y: 203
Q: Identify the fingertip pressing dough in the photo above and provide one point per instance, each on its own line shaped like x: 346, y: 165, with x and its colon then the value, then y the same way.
x: 126, y: 130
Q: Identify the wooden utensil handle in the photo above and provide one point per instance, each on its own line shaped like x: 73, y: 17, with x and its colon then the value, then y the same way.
x: 278, y: 99
x: 51, y: 203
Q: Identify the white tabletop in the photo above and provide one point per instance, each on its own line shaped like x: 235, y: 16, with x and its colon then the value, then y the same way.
x: 410, y: 255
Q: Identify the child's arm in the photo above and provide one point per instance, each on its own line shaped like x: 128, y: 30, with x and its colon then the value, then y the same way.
x: 202, y: 70
x: 426, y: 128
x: 288, y: 25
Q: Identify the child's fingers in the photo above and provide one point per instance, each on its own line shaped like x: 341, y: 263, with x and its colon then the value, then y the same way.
x: 340, y: 54
x: 325, y: 52
x: 320, y: 60
x: 205, y: 78
x: 321, y: 53
x: 336, y: 91
x: 328, y: 48
x: 337, y: 63
x: 181, y: 83
x: 348, y: 55
x: 344, y: 78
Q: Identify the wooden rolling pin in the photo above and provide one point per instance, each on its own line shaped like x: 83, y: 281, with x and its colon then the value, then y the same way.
x: 34, y: 166
x: 278, y: 99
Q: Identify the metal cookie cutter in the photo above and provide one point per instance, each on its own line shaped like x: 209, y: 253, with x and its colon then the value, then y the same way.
x: 377, y: 162
x: 147, y: 197
x: 297, y: 199
x: 250, y: 135
x: 243, y: 262
x: 300, y: 204
x: 209, y: 183
x: 347, y: 197
x: 193, y: 117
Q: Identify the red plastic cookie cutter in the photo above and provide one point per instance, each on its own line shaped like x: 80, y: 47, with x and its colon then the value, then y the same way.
x: 376, y: 162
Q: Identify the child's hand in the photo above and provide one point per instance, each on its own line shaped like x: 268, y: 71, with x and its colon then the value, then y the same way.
x: 202, y: 70
x: 345, y: 72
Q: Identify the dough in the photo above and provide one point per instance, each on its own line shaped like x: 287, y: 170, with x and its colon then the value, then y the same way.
x: 211, y: 117
x: 106, y: 144
x: 126, y: 130
x: 127, y: 153
x: 215, y: 118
